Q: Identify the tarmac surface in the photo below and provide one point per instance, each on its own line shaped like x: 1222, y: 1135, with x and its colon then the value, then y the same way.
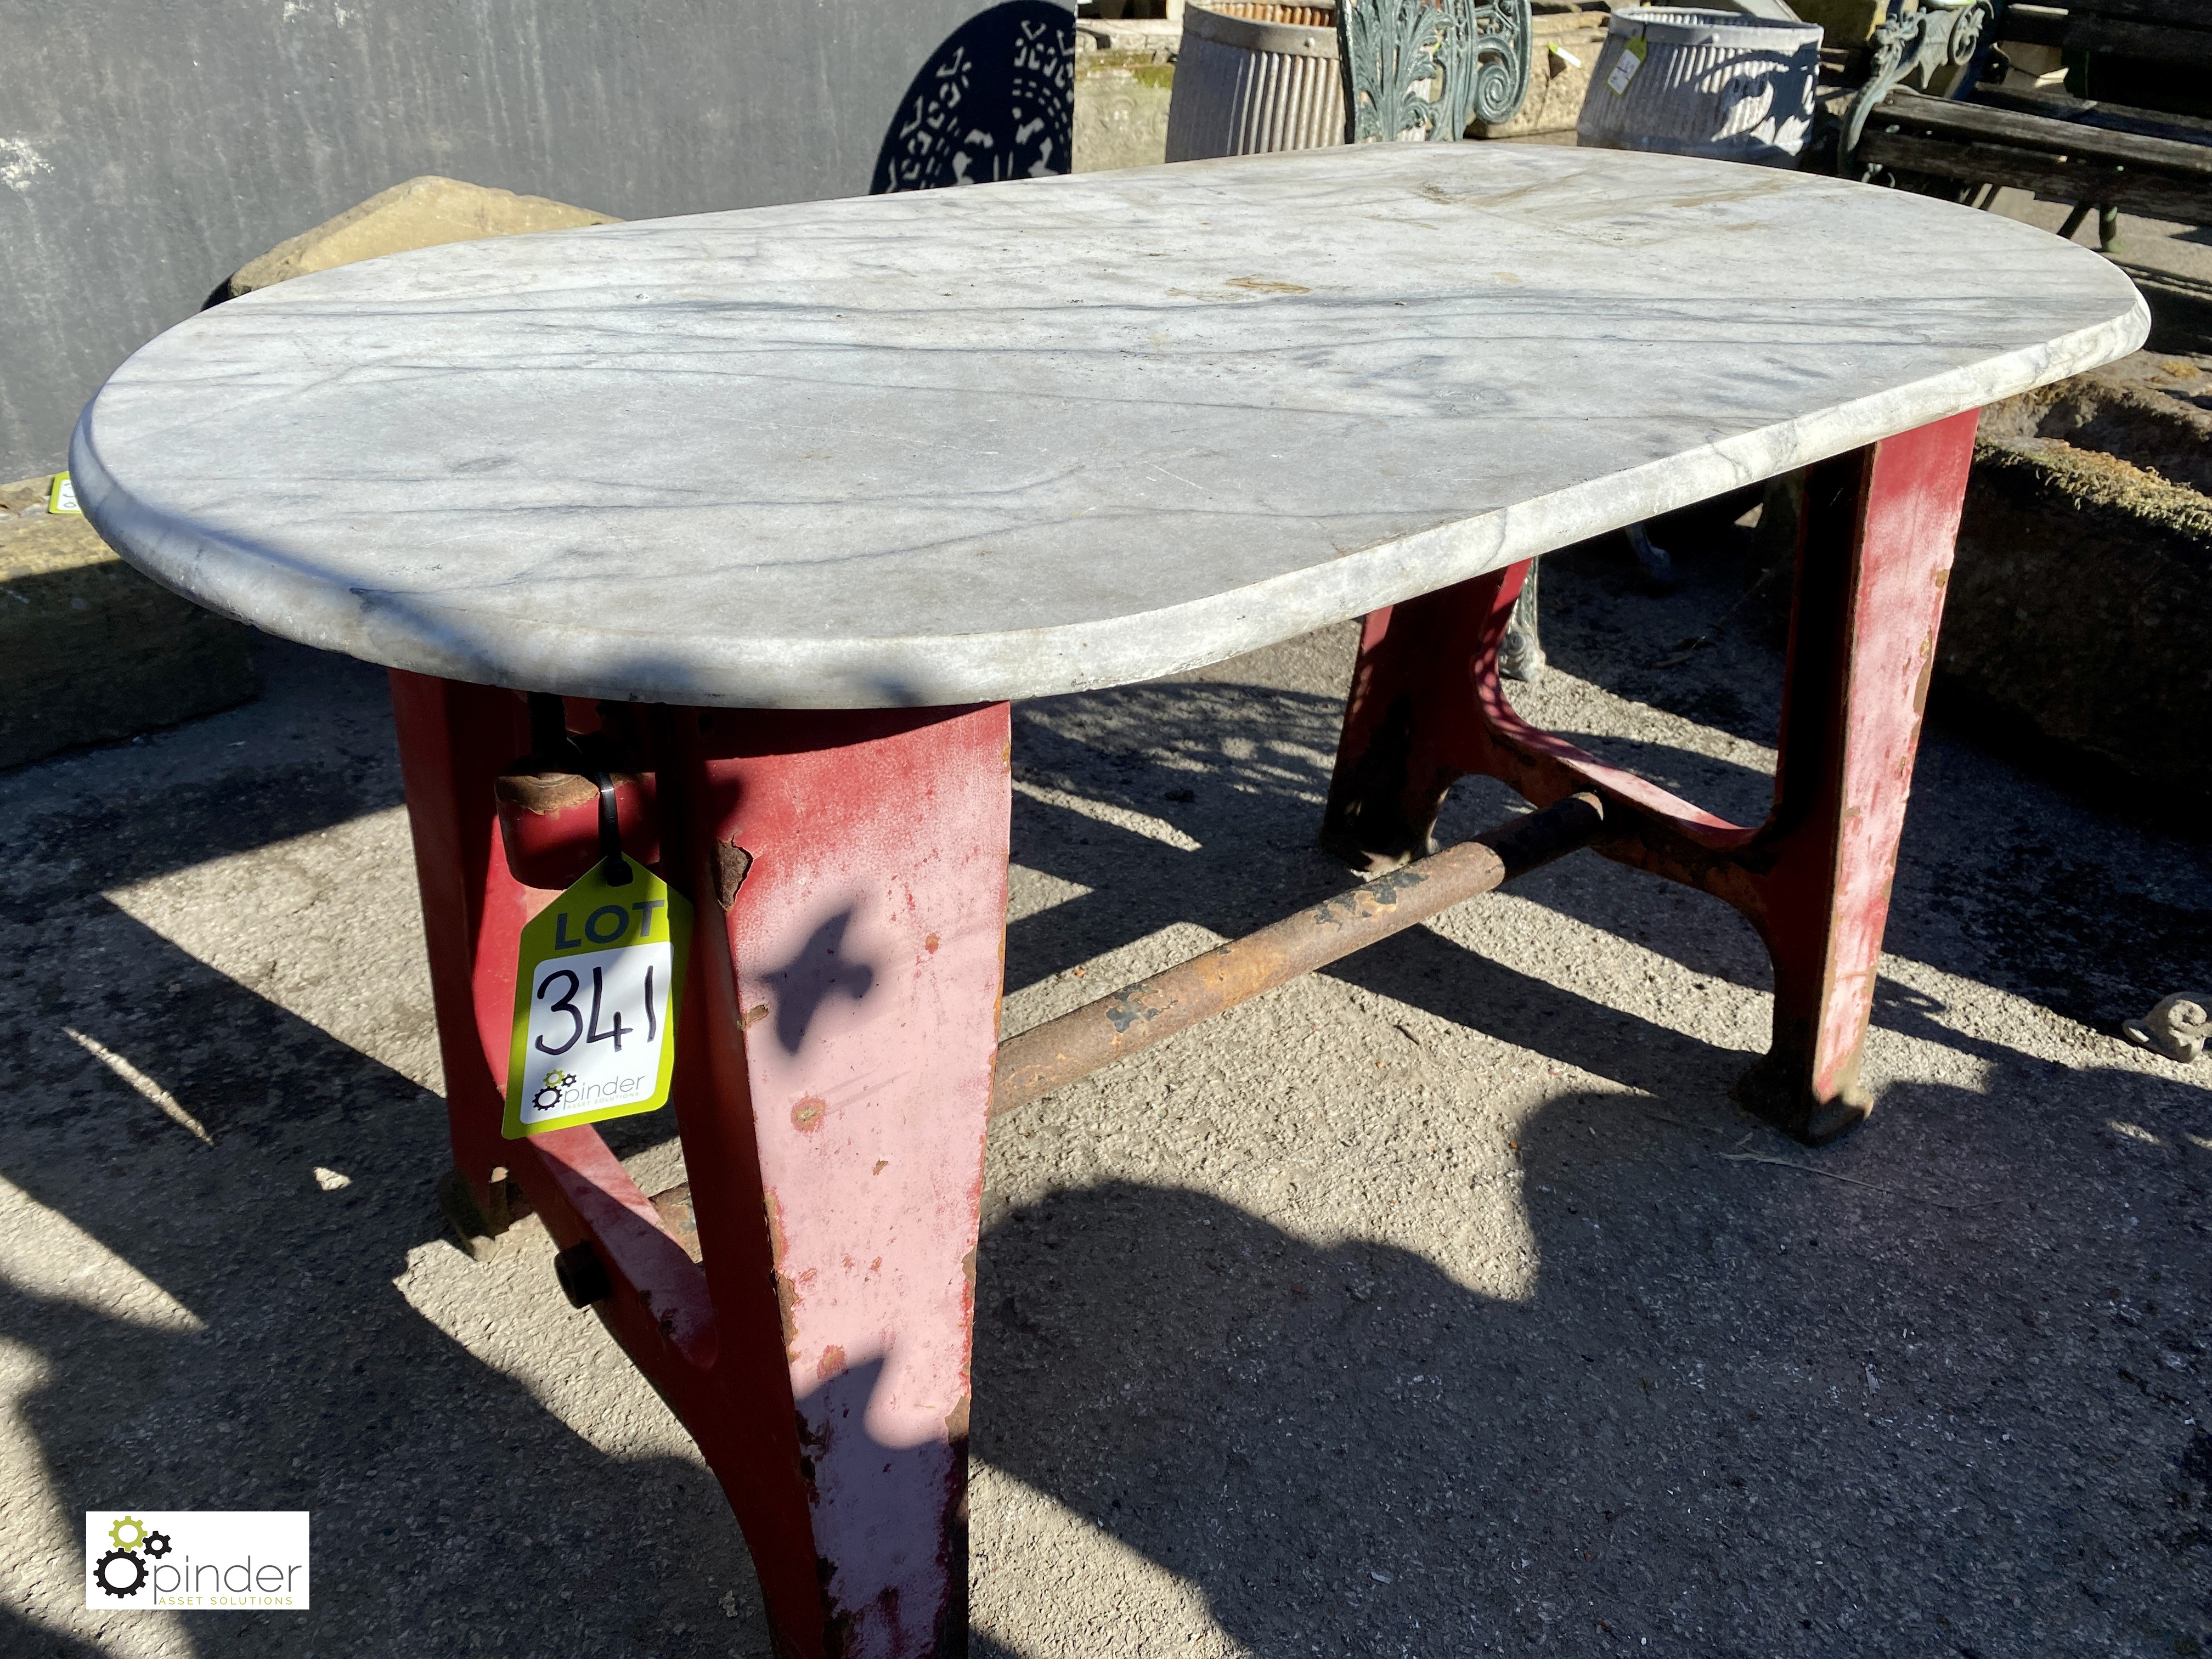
x: 1438, y: 1304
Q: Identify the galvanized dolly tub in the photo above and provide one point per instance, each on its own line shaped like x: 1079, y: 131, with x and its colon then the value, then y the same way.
x: 706, y: 554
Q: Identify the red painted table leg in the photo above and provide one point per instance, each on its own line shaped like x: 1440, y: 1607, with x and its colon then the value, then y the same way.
x: 851, y: 1014
x: 1874, y: 555
x: 848, y: 874
x: 454, y: 741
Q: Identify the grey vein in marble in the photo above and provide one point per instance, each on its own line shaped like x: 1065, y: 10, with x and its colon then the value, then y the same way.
x: 1031, y: 438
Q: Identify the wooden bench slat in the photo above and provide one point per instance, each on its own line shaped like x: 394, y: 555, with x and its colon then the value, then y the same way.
x: 2054, y: 27
x: 2040, y: 132
x: 2075, y: 150
x: 2098, y: 117
x: 2057, y: 178
x: 2180, y: 48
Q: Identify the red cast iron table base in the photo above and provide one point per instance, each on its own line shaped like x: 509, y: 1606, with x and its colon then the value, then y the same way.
x: 835, y: 1068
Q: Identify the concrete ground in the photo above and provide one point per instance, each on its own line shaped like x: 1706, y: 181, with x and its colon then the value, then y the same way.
x: 1441, y: 1304
x: 1438, y: 1304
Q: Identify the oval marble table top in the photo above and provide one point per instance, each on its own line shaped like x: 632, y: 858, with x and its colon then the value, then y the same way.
x: 1022, y: 439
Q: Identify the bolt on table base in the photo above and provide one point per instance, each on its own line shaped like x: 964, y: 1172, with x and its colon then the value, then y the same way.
x: 805, y: 1302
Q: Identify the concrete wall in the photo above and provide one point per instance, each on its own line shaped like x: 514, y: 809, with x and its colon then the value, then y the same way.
x: 149, y: 147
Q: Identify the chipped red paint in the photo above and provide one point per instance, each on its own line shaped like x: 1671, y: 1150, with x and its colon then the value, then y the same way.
x: 1426, y: 706
x: 829, y: 1399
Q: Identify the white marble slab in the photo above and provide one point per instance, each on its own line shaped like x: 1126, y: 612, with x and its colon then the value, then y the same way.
x: 1029, y: 438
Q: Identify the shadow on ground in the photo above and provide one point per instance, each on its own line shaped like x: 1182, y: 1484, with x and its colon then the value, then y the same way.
x: 453, y: 1513
x: 1749, y: 1410
x: 1999, y: 880
x: 1938, y: 1390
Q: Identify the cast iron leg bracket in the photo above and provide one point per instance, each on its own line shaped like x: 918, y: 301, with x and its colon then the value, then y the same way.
x: 832, y: 1081
x: 1874, y: 555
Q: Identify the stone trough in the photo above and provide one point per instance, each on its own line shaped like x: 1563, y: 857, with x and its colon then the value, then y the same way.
x: 90, y: 651
x: 2078, y: 604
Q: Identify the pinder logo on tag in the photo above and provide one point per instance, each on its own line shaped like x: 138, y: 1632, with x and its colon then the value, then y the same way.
x: 559, y: 1090
x: 122, y: 1570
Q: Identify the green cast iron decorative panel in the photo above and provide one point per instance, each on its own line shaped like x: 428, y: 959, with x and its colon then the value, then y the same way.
x: 1428, y: 67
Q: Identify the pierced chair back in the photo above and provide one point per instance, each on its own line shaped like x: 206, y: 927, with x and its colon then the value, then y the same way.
x: 1423, y: 69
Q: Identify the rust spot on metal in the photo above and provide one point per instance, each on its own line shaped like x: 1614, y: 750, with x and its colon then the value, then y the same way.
x: 806, y: 1116
x: 832, y: 1363
x: 679, y: 1216
x: 544, y: 793
x: 951, y: 1634
x: 1388, y: 889
x: 731, y: 865
x: 1124, y: 1010
x: 1920, y: 687
x: 787, y: 1299
x: 968, y: 1296
x: 787, y: 1293
x: 752, y: 1017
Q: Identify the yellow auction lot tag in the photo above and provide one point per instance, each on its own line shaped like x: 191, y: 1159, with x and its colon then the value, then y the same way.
x: 599, y: 980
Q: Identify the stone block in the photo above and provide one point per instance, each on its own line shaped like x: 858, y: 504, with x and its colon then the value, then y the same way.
x: 2125, y: 409
x: 2034, y: 58
x: 1124, y: 82
x: 91, y: 651
x: 2032, y: 65
x: 1563, y: 50
x: 423, y: 212
x: 1845, y: 23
